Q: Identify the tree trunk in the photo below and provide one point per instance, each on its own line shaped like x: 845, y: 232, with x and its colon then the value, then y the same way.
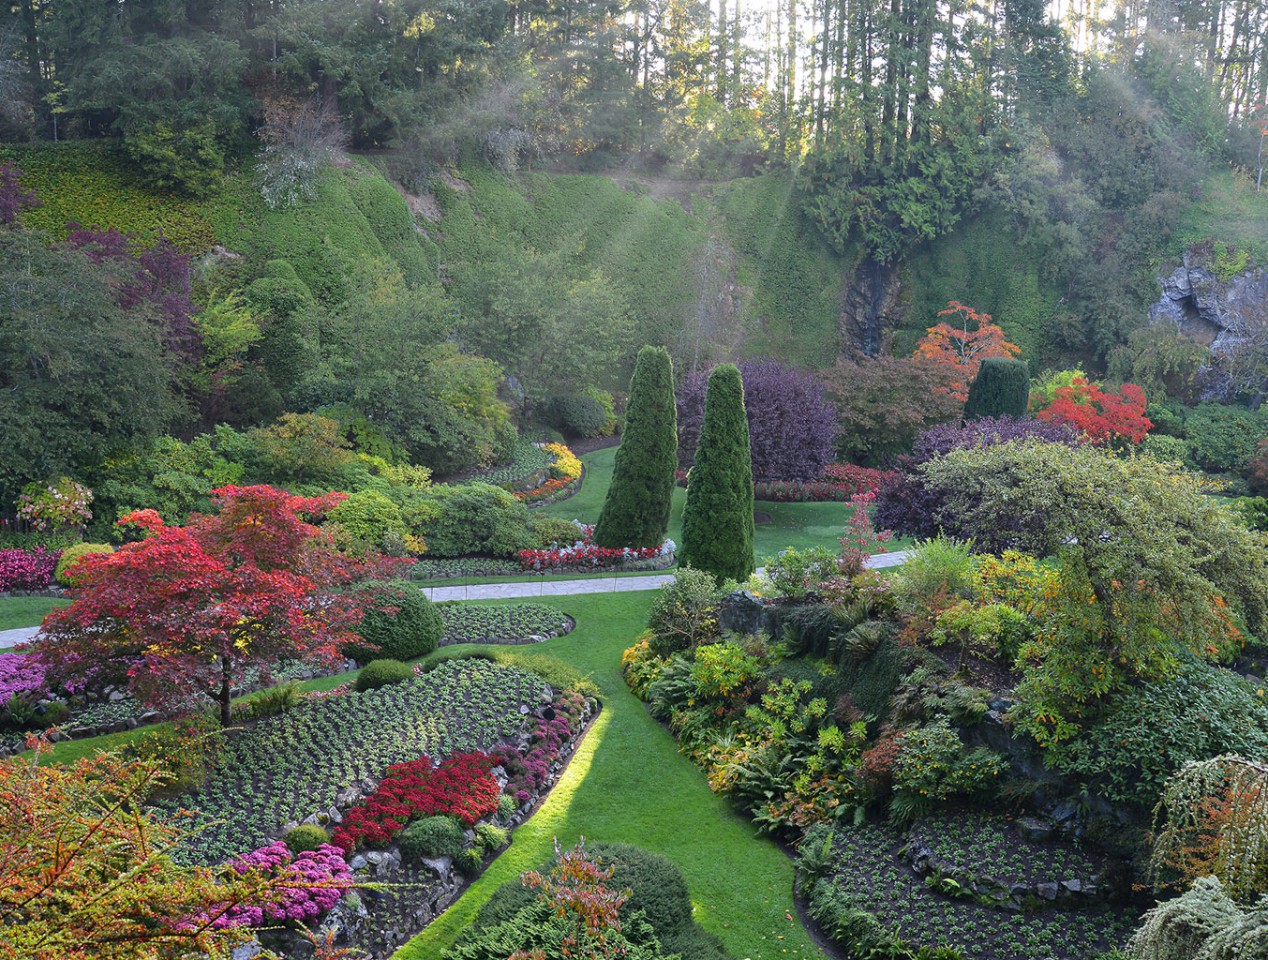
x: 226, y: 692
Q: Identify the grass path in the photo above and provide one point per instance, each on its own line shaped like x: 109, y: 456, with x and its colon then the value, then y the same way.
x: 18, y: 612
x: 627, y: 783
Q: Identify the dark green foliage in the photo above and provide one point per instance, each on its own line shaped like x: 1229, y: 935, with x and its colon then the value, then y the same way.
x: 656, y: 918
x: 539, y: 925
x: 871, y: 681
x: 469, y: 862
x: 717, y: 522
x: 82, y: 377
x: 1149, y: 732
x: 576, y: 414
x: 1001, y: 388
x: 432, y: 837
x: 636, y: 509
x: 305, y: 837
x: 1223, y: 438
x: 382, y: 673
x: 477, y: 518
x: 399, y: 623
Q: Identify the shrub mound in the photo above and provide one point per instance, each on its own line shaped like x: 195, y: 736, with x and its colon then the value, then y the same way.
x: 432, y: 837
x: 382, y: 673
x: 400, y: 623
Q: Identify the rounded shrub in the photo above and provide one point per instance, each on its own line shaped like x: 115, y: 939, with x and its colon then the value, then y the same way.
x: 432, y: 837
x: 577, y: 414
x: 469, y: 862
x: 475, y: 518
x: 492, y: 837
x: 306, y: 837
x: 399, y: 623
x: 72, y: 555
x: 657, y: 886
x: 552, y: 530
x: 382, y: 673
x: 364, y: 520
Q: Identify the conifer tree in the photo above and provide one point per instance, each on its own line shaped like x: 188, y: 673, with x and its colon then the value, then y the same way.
x: 636, y: 510
x: 1001, y: 388
x: 717, y: 524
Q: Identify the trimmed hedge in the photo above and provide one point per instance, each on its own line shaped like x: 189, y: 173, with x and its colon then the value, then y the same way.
x: 382, y: 673
x: 1000, y: 389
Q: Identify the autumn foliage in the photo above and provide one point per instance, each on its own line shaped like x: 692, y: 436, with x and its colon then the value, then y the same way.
x: 1100, y: 415
x: 187, y: 611
x: 961, y: 346
x: 87, y: 874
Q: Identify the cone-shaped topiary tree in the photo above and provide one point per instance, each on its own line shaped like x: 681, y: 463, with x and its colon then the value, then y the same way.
x: 636, y: 509
x: 717, y: 524
x: 1001, y: 388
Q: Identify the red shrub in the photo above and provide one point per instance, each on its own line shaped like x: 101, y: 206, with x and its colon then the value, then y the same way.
x: 460, y: 787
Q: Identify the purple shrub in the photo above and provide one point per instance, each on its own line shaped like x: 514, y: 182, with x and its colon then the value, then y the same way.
x: 13, y: 198
x: 907, y: 506
x: 162, y: 279
x: 27, y: 569
x: 792, y: 426
x: 528, y: 770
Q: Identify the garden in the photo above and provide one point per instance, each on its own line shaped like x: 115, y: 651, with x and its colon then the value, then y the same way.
x: 1041, y: 735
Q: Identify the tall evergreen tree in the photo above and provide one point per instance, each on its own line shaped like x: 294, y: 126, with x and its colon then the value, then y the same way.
x: 636, y: 510
x: 1001, y: 388
x: 717, y: 525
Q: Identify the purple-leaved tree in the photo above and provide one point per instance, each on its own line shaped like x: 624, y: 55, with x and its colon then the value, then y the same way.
x: 792, y: 426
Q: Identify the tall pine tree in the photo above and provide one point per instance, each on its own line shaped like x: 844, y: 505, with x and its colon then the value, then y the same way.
x: 636, y: 510
x: 717, y: 524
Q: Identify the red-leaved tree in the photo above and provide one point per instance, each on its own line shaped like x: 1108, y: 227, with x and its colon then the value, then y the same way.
x: 960, y: 347
x: 189, y: 610
x: 1100, y: 415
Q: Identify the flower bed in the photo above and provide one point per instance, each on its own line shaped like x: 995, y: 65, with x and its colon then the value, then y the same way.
x: 528, y: 466
x: 528, y: 770
x: 565, y: 477
x: 459, y: 787
x: 27, y: 569
x: 21, y: 677
x: 314, y: 757
x: 585, y: 554
x: 321, y: 878
x: 521, y: 623
x: 841, y: 481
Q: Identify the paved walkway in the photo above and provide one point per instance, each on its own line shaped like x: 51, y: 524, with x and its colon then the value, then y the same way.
x: 526, y: 588
x: 559, y: 588
x: 11, y: 638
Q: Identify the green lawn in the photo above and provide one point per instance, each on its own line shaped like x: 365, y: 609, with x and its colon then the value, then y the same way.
x: 26, y: 611
x: 628, y: 783
x: 799, y: 525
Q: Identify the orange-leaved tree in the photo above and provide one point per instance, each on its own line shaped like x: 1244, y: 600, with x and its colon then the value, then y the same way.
x: 961, y: 346
x: 86, y: 873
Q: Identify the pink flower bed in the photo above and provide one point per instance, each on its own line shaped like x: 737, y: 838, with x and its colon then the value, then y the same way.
x: 320, y: 878
x: 20, y: 676
x: 27, y: 569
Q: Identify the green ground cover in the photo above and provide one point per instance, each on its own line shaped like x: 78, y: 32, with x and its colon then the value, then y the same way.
x: 18, y: 612
x: 741, y: 886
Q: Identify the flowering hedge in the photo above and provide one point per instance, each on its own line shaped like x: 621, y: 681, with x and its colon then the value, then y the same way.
x: 459, y: 787
x: 27, y: 569
x: 585, y: 554
x: 841, y: 481
x: 528, y: 770
x: 320, y: 878
x: 20, y: 676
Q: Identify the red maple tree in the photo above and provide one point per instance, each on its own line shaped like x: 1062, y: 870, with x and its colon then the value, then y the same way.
x: 1102, y: 416
x: 961, y: 348
x: 188, y: 610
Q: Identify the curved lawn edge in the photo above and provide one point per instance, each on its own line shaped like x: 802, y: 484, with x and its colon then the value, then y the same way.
x: 627, y: 783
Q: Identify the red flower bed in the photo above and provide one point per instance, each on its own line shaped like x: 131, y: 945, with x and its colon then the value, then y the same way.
x: 586, y: 555
x: 460, y: 787
x: 841, y: 482
x: 27, y: 569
